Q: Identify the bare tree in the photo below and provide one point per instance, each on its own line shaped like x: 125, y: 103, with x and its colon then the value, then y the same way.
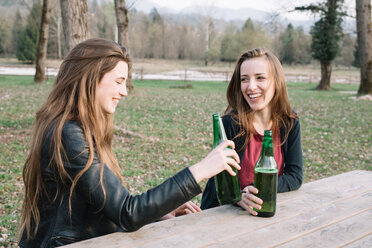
x: 74, y: 21
x: 55, y: 32
x: 206, y: 23
x: 43, y: 42
x: 122, y: 21
x: 364, y: 29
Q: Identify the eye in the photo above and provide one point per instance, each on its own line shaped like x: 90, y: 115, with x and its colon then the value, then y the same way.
x: 244, y: 79
x: 261, y: 78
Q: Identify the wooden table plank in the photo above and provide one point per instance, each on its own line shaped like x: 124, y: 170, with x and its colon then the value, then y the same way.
x: 360, y: 241
x: 313, y: 206
x: 335, y: 234
x: 300, y: 225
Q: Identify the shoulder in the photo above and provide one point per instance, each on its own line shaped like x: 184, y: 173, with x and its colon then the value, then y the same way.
x: 229, y: 120
x: 296, y: 125
x: 73, y: 138
x: 71, y: 126
x: 72, y: 130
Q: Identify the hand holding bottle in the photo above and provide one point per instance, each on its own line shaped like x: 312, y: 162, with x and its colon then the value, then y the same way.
x: 218, y: 159
x: 250, y: 200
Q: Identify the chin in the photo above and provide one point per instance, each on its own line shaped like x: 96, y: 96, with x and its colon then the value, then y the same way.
x: 110, y: 111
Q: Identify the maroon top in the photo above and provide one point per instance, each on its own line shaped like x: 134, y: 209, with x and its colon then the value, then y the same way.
x: 251, y: 155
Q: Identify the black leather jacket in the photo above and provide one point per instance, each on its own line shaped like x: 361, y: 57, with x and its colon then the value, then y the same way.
x: 91, y: 215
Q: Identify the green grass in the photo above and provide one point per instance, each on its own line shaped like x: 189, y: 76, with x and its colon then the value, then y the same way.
x: 175, y: 129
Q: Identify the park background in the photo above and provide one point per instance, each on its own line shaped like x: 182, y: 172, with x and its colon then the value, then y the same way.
x: 165, y: 125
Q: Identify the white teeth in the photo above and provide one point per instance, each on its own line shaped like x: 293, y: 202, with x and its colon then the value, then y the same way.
x: 115, y: 100
x: 254, y: 95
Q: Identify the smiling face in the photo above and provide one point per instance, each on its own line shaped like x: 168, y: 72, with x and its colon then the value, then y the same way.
x: 112, y: 87
x: 257, y: 85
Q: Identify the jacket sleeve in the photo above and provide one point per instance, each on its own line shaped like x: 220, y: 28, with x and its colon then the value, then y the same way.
x: 113, y: 199
x: 292, y: 175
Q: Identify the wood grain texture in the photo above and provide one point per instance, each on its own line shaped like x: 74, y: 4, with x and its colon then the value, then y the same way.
x: 331, y: 212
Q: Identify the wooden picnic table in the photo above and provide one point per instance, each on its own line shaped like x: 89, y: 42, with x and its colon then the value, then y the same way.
x: 331, y: 212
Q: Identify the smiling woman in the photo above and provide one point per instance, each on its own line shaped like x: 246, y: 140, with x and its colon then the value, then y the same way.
x: 73, y: 184
x: 257, y: 101
x: 112, y: 87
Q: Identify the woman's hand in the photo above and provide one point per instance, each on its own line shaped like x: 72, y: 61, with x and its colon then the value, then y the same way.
x: 186, y: 208
x: 249, y: 200
x: 218, y: 159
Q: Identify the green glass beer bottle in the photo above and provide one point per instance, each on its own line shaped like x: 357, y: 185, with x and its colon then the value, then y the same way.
x: 227, y: 186
x: 266, y: 177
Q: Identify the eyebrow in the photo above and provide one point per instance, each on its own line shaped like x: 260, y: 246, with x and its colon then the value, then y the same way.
x: 121, y: 78
x: 257, y: 74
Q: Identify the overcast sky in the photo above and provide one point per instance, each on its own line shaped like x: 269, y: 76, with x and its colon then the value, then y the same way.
x: 281, y: 6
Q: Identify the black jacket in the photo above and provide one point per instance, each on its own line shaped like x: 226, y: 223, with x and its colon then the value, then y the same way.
x: 90, y: 216
x: 291, y: 179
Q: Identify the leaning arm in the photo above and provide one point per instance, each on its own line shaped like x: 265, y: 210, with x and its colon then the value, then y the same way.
x: 293, y: 164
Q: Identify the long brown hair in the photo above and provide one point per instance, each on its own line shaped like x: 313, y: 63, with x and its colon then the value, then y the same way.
x: 71, y: 98
x: 281, y: 111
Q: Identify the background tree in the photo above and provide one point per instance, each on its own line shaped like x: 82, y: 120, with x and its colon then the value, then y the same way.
x: 302, y: 44
x: 326, y: 34
x: 5, y: 36
x: 122, y: 22
x: 364, y: 28
x: 43, y: 42
x: 275, y: 28
x: 206, y: 29
x: 17, y: 30
x: 156, y: 36
x: 294, y: 46
x: 74, y: 22
x: 213, y: 51
x: 55, y: 41
x: 346, y: 57
x: 102, y: 19
x: 356, y: 62
x: 139, y: 29
x: 287, y: 50
x: 27, y: 45
x: 252, y: 35
x: 230, y: 48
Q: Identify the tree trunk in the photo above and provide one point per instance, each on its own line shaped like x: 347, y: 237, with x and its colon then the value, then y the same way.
x: 59, y: 37
x: 206, y: 42
x: 74, y: 22
x: 364, y: 29
x: 43, y: 42
x: 123, y: 29
x: 325, y: 80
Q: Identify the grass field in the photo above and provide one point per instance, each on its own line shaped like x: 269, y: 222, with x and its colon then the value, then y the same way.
x: 174, y: 128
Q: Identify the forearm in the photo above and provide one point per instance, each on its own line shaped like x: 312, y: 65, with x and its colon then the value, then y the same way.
x: 293, y: 164
x: 290, y: 181
x: 132, y: 212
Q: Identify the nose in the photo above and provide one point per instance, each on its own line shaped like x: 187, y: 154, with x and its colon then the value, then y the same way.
x: 123, y: 90
x: 252, y: 85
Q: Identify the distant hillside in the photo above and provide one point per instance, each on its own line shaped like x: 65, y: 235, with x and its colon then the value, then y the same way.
x: 226, y: 14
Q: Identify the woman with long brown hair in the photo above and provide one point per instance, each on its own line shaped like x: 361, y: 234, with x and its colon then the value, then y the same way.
x: 258, y: 100
x: 73, y: 186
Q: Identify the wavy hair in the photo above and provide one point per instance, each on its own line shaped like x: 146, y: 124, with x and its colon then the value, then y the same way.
x: 281, y: 111
x: 72, y: 97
